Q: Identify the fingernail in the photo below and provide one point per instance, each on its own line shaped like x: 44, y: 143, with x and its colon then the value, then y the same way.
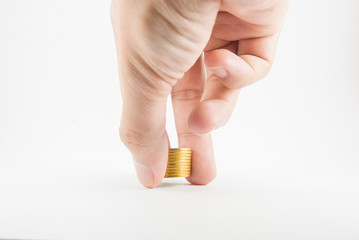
x: 219, y: 72
x: 144, y: 174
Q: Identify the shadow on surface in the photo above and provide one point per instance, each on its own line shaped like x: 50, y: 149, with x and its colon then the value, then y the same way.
x: 173, y: 184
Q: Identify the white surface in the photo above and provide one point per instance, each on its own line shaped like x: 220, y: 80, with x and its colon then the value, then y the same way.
x: 287, y: 162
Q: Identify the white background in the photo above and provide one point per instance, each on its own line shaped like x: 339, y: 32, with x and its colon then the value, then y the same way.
x: 288, y: 161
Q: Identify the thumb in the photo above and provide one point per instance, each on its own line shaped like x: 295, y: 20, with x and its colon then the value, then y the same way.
x: 143, y: 122
x: 144, y: 96
x: 143, y: 130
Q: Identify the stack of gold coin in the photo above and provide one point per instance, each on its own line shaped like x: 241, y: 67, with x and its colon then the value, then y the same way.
x: 179, y: 163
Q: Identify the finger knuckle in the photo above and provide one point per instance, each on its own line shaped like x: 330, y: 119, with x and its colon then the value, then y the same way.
x: 133, y: 139
x: 143, y: 74
x: 172, y: 43
x: 186, y: 95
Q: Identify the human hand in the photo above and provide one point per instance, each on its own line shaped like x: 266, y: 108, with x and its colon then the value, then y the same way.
x: 159, y: 48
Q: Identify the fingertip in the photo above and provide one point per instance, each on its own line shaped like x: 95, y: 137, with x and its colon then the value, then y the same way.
x: 219, y: 72
x: 204, y: 179
x: 144, y: 174
x: 203, y: 162
x: 150, y: 162
x: 233, y: 71
x: 147, y: 176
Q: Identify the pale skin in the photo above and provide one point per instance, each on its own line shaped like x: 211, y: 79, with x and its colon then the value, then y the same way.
x: 165, y: 47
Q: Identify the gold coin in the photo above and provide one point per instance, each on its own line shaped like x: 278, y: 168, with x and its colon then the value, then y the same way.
x: 176, y: 176
x: 178, y: 169
x: 179, y: 163
x: 174, y: 155
x: 176, y: 160
x: 175, y: 150
x: 178, y: 173
x: 180, y: 149
x: 179, y: 157
x: 180, y: 152
x: 184, y: 160
x: 179, y: 160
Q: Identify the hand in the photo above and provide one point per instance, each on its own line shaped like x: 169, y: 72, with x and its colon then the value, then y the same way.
x: 159, y: 48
